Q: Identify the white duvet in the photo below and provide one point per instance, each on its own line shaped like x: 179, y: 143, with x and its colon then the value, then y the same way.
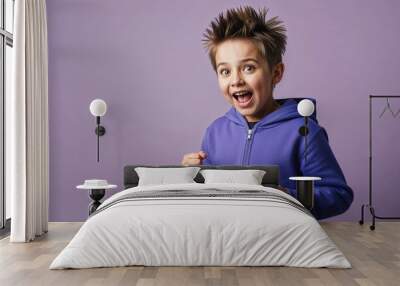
x: 200, y: 231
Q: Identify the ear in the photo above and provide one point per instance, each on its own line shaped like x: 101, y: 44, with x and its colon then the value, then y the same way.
x: 277, y: 73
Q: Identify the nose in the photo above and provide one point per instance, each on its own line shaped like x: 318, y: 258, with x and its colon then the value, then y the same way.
x: 236, y: 79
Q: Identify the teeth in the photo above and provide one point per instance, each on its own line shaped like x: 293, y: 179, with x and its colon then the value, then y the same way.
x: 240, y: 93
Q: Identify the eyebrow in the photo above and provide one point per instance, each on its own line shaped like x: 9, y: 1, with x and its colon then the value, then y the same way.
x: 242, y: 61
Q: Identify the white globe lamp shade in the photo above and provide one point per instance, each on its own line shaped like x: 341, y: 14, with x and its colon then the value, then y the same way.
x: 98, y: 107
x: 305, y: 107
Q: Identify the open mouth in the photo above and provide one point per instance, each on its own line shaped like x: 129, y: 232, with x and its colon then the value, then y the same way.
x: 243, y: 97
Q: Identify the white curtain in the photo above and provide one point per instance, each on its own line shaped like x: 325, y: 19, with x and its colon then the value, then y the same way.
x: 27, y: 140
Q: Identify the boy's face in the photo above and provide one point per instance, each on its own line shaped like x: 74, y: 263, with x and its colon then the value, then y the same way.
x: 245, y: 79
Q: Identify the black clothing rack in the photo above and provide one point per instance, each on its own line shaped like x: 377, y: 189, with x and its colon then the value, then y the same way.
x: 370, y: 205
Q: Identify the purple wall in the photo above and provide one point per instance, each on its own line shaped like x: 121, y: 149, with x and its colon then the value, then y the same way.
x: 145, y: 59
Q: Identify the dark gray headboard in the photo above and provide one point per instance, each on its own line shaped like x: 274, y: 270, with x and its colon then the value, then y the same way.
x: 271, y: 177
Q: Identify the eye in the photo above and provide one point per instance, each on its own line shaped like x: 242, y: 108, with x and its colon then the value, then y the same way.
x: 249, y: 68
x: 224, y: 72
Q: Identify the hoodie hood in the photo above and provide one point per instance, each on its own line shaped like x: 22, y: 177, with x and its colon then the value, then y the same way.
x: 286, y: 111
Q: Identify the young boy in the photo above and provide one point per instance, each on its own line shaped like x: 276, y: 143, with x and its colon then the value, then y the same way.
x: 246, y: 53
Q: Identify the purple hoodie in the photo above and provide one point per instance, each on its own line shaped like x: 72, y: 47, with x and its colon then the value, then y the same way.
x: 275, y: 140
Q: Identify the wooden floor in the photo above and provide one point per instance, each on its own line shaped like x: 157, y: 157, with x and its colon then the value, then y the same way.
x: 375, y: 256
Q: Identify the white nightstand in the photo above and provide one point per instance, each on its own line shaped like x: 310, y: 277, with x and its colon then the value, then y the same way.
x: 97, y: 189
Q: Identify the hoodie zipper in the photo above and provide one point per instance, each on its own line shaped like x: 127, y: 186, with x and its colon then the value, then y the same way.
x: 246, y: 154
x: 249, y: 132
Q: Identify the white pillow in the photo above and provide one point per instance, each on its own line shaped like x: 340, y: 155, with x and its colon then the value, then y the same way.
x: 249, y: 177
x: 162, y: 176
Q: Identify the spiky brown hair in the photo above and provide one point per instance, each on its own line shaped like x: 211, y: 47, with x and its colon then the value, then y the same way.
x: 245, y: 22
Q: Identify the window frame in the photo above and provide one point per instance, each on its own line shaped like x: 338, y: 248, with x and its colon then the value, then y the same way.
x: 6, y: 39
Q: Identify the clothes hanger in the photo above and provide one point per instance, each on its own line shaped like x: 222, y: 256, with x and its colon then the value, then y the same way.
x: 388, y: 107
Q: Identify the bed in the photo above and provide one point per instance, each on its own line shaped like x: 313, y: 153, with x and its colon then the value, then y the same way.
x: 201, y: 224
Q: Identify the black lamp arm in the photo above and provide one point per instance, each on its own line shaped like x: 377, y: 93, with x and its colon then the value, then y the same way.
x: 303, y: 130
x: 100, y: 131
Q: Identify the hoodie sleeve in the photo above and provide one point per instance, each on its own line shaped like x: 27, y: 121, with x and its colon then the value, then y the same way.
x: 205, y: 148
x: 332, y: 195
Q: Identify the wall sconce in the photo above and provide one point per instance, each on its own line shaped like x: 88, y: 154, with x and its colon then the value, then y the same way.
x: 305, y: 184
x: 305, y: 108
x: 98, y: 108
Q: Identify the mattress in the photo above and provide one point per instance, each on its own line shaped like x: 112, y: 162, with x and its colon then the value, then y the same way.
x: 201, y: 225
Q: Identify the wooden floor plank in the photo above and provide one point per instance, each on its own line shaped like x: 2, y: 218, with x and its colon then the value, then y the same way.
x: 374, y: 255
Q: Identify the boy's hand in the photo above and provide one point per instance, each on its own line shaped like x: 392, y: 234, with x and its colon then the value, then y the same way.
x: 194, y: 158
